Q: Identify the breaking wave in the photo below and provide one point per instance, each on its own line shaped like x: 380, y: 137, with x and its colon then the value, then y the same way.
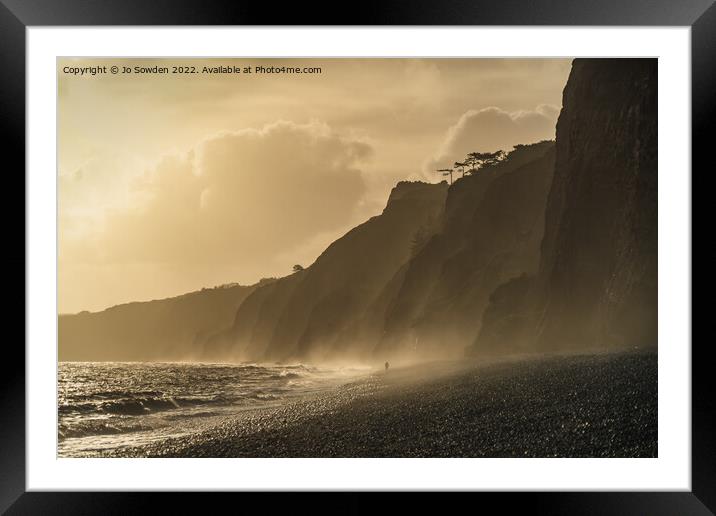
x: 105, y: 401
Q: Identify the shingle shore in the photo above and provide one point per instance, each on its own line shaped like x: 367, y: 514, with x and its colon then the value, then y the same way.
x: 596, y: 405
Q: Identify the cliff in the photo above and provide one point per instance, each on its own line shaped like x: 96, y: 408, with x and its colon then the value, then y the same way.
x: 554, y: 248
x: 596, y: 285
x: 410, y: 283
x: 311, y: 314
x: 491, y: 232
x: 165, y: 329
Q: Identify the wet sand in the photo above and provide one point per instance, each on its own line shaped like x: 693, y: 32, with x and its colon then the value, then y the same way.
x: 596, y: 405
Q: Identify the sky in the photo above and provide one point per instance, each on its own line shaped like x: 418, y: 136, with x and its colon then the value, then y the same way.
x: 169, y: 183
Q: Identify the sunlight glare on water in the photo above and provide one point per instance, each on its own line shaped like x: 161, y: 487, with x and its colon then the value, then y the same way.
x: 108, y: 405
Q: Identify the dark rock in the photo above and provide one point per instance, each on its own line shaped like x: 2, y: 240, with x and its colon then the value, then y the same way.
x: 597, y: 281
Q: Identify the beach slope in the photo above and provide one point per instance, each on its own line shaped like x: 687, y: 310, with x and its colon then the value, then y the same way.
x: 586, y: 405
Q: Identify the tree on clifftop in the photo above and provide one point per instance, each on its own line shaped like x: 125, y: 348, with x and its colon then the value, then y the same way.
x: 446, y: 172
x: 461, y: 166
x: 480, y: 160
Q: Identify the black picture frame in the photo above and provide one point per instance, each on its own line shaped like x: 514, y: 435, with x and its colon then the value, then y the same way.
x: 17, y: 15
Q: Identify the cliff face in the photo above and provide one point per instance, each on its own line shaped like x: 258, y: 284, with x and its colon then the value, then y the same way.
x: 491, y: 232
x: 410, y: 283
x: 554, y: 248
x: 166, y: 329
x: 314, y: 314
x: 597, y: 280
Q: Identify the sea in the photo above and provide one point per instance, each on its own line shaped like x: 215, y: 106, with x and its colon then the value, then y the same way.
x: 106, y: 406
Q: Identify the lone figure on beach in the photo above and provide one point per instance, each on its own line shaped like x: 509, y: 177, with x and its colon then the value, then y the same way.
x: 387, y: 365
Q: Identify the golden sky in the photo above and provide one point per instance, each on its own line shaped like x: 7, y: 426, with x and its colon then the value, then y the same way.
x: 173, y: 182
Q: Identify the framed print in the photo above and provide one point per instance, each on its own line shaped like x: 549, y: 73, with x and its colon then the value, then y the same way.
x: 437, y: 249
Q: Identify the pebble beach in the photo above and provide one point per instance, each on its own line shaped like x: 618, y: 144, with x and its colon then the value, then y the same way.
x: 593, y: 405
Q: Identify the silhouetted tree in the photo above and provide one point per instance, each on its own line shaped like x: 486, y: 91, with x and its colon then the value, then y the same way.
x: 446, y: 172
x: 473, y: 162
x: 297, y: 268
x: 461, y: 166
x: 479, y: 160
x: 493, y: 158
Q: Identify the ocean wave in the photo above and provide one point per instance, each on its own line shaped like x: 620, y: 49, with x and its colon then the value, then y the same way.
x: 136, y: 404
x: 82, y: 408
x: 189, y: 415
x: 136, y: 407
x: 302, y: 367
x: 110, y: 398
x: 283, y: 375
x: 264, y: 396
x: 89, y: 428
x: 124, y: 394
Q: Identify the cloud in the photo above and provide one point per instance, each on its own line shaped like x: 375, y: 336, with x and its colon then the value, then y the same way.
x: 122, y: 239
x: 491, y: 129
x: 236, y: 198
